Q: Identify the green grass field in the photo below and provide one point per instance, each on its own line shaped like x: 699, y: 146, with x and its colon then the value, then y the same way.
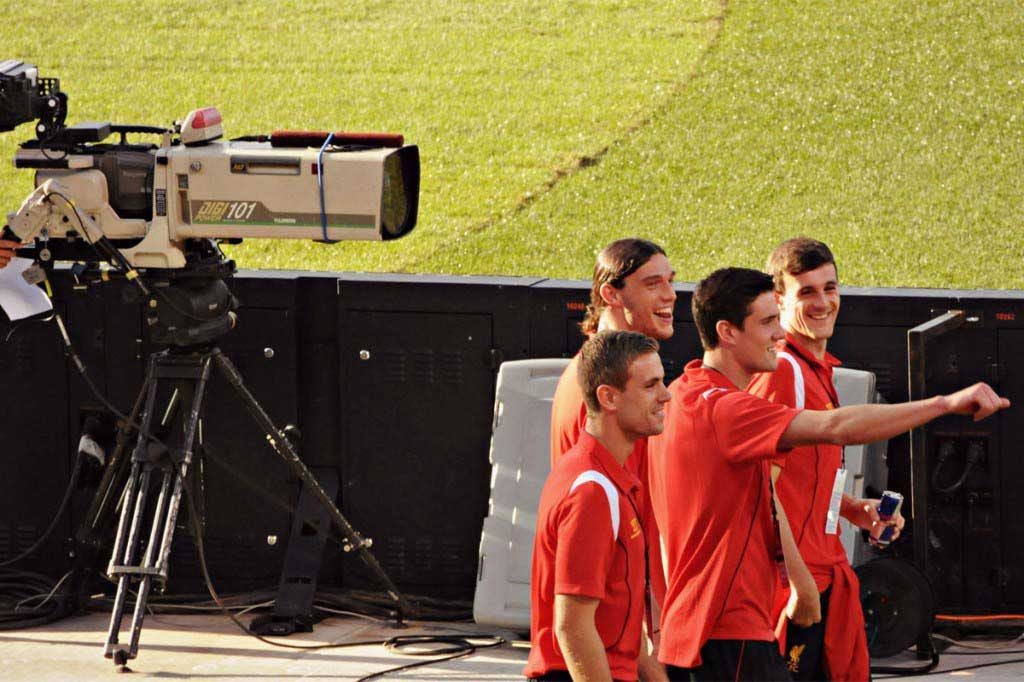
x: 891, y: 130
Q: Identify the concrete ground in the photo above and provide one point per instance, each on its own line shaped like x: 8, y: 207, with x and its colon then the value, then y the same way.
x: 981, y: 660
x: 213, y: 648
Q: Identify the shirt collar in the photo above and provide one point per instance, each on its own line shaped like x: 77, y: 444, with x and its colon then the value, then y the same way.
x: 623, y: 479
x: 827, y: 363
x: 698, y: 372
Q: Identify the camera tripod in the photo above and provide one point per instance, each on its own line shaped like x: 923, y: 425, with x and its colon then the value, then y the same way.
x: 170, y: 404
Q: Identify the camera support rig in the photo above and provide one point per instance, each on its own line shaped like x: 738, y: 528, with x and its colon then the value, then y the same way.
x: 149, y: 470
x: 162, y: 466
x: 156, y: 213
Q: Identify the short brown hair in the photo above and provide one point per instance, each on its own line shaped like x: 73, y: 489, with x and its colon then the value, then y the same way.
x: 725, y: 294
x: 796, y: 256
x: 615, y: 263
x: 605, y: 359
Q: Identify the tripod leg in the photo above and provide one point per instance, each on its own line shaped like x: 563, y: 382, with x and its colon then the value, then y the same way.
x: 191, y: 429
x: 130, y: 511
x: 146, y: 581
x: 124, y: 548
x: 158, y: 550
x: 173, y: 467
x: 89, y: 535
x: 138, y: 457
x: 102, y: 504
x: 284, y: 449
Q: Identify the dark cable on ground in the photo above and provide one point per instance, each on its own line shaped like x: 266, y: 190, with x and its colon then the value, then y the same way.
x: 17, y: 587
x: 992, y: 652
x: 901, y: 671
x: 929, y: 668
x: 459, y: 645
x: 898, y: 672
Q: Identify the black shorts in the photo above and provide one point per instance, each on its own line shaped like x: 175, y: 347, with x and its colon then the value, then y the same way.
x: 805, y: 647
x: 735, y: 659
x: 552, y: 676
x: 557, y: 676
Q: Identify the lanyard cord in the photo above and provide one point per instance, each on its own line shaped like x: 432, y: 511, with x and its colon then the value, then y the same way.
x: 830, y: 390
x: 648, y: 610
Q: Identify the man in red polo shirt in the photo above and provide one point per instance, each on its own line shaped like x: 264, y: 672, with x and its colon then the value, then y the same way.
x: 810, y: 479
x: 711, y: 486
x: 589, y: 552
x: 631, y: 291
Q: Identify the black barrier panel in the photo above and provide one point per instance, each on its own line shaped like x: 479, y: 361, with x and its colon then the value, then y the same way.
x: 36, y: 446
x: 246, y: 490
x: 317, y: 365
x: 418, y: 361
x: 407, y: 427
x: 1010, y: 577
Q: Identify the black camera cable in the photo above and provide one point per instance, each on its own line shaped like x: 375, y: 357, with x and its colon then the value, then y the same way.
x: 103, y: 247
x: 72, y: 482
x: 929, y: 668
x: 19, y: 587
x: 454, y: 645
x: 900, y: 671
x: 108, y: 252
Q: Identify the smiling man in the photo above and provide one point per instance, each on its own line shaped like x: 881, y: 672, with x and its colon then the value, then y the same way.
x: 723, y: 539
x: 631, y: 291
x: 587, y: 582
x: 808, y: 479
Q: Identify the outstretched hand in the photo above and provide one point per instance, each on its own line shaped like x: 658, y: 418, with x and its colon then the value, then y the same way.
x: 979, y: 400
x: 7, y: 249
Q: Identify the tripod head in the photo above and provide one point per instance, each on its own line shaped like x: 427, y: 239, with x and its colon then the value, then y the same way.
x: 184, y: 308
x: 193, y: 306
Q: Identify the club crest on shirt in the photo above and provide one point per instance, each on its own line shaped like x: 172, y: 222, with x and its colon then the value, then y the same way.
x: 635, y: 528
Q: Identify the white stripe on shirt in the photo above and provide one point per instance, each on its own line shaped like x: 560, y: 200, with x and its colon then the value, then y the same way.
x: 610, y: 492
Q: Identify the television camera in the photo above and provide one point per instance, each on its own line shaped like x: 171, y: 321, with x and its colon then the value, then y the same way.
x: 157, y: 213
x: 163, y: 208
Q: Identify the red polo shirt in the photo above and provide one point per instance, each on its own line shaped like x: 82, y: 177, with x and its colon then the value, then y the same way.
x: 590, y: 542
x: 568, y: 420
x: 710, y: 488
x: 808, y: 473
